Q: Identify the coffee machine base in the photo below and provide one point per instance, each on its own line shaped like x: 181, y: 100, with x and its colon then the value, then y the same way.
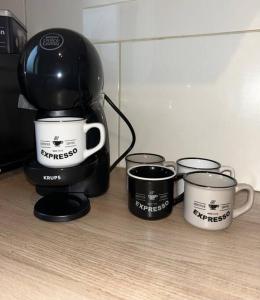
x: 65, y: 191
x: 62, y: 207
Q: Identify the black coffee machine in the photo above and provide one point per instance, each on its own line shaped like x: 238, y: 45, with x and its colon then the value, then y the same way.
x: 16, y: 125
x: 60, y: 74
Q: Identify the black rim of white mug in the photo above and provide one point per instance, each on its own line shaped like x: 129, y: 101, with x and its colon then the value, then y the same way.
x: 75, y: 119
x: 200, y: 158
x: 162, y: 159
x: 207, y: 186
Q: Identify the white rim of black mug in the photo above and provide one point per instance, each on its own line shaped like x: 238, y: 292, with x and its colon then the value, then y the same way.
x: 147, y: 178
x: 200, y: 158
x: 207, y: 186
x: 162, y: 159
x: 43, y: 120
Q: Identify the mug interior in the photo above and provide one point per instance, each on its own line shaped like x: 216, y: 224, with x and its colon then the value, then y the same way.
x: 210, y: 179
x: 145, y: 158
x: 150, y: 172
x: 63, y: 119
x: 198, y: 163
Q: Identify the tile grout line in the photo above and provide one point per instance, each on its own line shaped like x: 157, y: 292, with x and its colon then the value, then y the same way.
x: 176, y: 37
x: 25, y: 15
x: 119, y: 94
x: 108, y: 4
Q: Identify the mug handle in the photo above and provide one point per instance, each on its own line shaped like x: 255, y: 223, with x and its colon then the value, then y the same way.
x: 180, y: 197
x: 170, y: 164
x: 231, y: 171
x: 101, y: 128
x: 250, y: 199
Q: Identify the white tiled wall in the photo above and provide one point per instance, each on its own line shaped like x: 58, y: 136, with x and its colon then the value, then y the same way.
x: 109, y: 53
x: 43, y: 14
x: 95, y: 3
x: 199, y: 96
x: 186, y: 73
x: 165, y: 18
x: 16, y: 6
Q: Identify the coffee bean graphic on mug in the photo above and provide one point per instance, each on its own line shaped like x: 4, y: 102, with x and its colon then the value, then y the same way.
x: 56, y: 141
x: 213, y: 205
x: 152, y: 196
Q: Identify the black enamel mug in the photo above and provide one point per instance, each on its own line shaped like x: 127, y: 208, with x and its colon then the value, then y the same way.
x: 150, y: 191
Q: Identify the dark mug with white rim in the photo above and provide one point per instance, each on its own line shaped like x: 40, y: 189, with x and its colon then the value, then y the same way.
x: 144, y: 158
x: 209, y: 199
x: 191, y: 164
x: 150, y: 191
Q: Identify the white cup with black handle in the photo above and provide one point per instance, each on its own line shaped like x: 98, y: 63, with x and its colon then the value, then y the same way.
x: 190, y: 164
x: 62, y: 142
x: 209, y: 199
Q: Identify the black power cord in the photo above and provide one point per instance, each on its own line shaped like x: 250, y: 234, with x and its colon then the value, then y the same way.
x: 109, y: 101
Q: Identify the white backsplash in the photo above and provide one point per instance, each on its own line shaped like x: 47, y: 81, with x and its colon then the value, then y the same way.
x: 199, y: 97
x: 46, y: 14
x: 110, y: 54
x: 17, y: 7
x: 140, y: 19
x: 187, y: 74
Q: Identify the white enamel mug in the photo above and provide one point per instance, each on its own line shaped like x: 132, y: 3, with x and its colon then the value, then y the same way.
x: 209, y: 199
x: 191, y: 164
x: 62, y: 142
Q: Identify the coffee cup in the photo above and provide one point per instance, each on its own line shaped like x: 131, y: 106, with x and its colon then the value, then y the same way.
x: 191, y: 164
x: 150, y: 191
x: 209, y: 199
x: 62, y: 142
x: 136, y: 159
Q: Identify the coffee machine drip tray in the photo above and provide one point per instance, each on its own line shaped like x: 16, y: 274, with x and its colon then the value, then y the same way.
x: 62, y: 207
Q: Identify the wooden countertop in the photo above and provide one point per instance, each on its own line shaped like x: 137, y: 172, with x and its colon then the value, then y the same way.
x: 111, y: 254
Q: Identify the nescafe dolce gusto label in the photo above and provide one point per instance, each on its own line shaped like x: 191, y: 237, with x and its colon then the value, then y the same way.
x: 51, y: 41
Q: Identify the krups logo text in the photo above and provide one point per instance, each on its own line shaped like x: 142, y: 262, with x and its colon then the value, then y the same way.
x: 210, y: 219
x: 51, y: 41
x: 56, y: 177
x: 59, y: 156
